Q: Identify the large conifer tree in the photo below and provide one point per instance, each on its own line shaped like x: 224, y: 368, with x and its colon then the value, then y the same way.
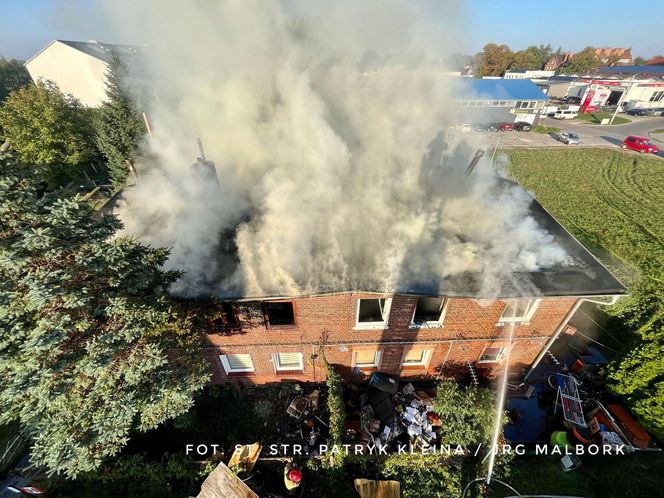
x: 91, y: 347
x: 118, y: 125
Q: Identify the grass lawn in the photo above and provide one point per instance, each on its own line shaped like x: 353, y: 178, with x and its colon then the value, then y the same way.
x: 596, y: 118
x: 636, y: 475
x: 611, y: 201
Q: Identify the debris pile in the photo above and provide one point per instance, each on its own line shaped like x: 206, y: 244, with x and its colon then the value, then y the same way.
x: 385, y: 414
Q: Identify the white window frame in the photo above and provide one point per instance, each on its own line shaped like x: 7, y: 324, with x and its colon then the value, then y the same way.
x: 227, y: 366
x: 278, y: 367
x: 378, y: 356
x: 501, y: 355
x: 431, y: 323
x: 426, y: 357
x: 373, y: 325
x: 533, y: 305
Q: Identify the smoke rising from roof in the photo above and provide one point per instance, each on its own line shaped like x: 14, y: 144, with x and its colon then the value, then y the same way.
x: 331, y: 138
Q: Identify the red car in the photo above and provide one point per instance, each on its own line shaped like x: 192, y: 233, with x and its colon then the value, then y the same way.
x: 505, y: 126
x: 640, y: 144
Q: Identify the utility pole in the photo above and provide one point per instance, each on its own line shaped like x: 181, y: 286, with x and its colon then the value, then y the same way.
x: 622, y: 97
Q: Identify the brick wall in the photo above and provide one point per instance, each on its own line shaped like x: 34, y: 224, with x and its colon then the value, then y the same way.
x: 328, y: 323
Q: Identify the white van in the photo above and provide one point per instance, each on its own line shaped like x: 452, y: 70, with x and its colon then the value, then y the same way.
x: 565, y: 114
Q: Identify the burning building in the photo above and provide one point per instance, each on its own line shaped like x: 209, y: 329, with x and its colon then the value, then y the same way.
x: 419, y: 332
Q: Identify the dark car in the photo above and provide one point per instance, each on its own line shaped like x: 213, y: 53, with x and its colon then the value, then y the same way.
x: 522, y: 126
x: 644, y: 112
x: 505, y: 126
x: 492, y: 127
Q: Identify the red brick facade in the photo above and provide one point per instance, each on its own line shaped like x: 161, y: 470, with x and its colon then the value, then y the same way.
x: 328, y: 323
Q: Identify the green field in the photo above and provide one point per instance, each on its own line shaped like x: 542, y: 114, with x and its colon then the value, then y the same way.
x: 596, y: 118
x: 613, y: 202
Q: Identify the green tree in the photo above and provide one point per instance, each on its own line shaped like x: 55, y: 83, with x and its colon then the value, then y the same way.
x: 524, y: 59
x: 46, y: 127
x: 639, y: 61
x: 582, y: 61
x: 118, y: 125
x: 467, y: 414
x: 91, y: 347
x: 493, y: 60
x: 13, y: 75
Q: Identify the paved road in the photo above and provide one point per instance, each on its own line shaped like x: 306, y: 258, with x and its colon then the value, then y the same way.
x: 603, y: 136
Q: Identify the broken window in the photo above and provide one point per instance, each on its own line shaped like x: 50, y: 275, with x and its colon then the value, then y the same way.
x: 416, y: 357
x: 279, y: 313
x: 288, y: 361
x: 429, y: 310
x: 226, y: 318
x: 492, y: 355
x: 366, y: 359
x: 237, y: 363
x: 519, y: 310
x: 372, y: 312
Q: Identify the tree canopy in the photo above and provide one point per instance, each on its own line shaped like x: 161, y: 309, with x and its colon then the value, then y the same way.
x: 13, y: 75
x: 118, y: 125
x: 47, y: 127
x: 582, y: 61
x: 91, y: 347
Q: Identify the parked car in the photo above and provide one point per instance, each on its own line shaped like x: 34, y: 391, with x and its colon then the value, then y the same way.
x: 640, y: 144
x: 465, y: 127
x: 505, y: 126
x: 568, y: 137
x: 522, y: 126
x: 565, y: 114
x: 492, y: 127
x: 637, y: 112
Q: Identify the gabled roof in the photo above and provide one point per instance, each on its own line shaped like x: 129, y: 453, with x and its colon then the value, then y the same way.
x: 655, y: 61
x: 102, y: 51
x: 505, y: 89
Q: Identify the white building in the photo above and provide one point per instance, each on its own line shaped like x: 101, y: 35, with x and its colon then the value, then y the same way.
x: 78, y: 68
x: 526, y: 74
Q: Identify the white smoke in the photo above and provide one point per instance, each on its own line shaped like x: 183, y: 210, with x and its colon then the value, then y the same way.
x: 326, y: 134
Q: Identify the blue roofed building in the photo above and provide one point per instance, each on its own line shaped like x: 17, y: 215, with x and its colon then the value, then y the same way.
x: 499, y: 99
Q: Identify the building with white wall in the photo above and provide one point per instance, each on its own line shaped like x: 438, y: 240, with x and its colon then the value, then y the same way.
x: 78, y: 68
x: 526, y: 74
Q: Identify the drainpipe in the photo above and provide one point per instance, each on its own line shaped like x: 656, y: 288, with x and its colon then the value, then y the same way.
x: 562, y: 326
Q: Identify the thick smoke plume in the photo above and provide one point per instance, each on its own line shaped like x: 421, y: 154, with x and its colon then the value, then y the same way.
x: 330, y: 133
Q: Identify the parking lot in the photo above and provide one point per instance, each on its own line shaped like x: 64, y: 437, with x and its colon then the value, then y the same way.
x: 591, y: 135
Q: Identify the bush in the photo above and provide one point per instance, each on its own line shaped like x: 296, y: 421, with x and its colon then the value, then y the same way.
x: 467, y: 414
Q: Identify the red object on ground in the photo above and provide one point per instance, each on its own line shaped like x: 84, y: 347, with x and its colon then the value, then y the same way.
x: 505, y: 126
x: 295, y: 475
x: 634, y: 431
x: 640, y: 144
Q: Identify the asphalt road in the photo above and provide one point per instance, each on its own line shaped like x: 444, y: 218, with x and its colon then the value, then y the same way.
x: 591, y: 135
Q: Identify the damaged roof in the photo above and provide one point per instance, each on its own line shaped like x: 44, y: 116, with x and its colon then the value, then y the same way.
x: 582, y: 275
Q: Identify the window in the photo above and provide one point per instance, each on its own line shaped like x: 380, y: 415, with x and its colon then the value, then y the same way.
x: 226, y: 318
x: 492, y: 355
x: 288, y: 361
x: 237, y: 363
x: 366, y: 359
x: 532, y: 104
x: 519, y: 310
x: 517, y: 104
x: 416, y: 357
x: 657, y: 96
x: 429, y: 311
x: 372, y: 313
x: 279, y: 313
